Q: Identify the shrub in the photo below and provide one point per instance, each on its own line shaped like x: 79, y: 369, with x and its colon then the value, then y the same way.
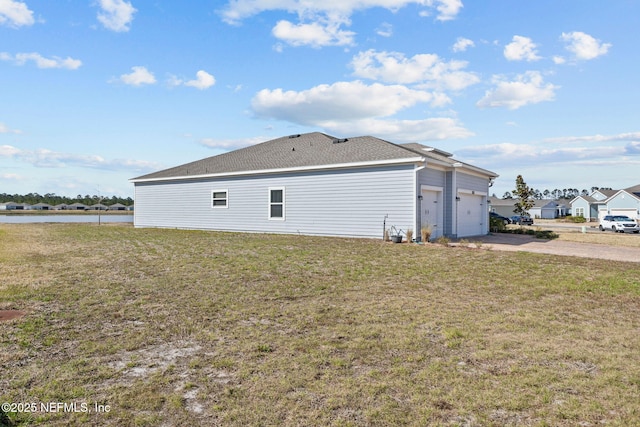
x: 409, y: 235
x: 444, y: 241
x: 576, y: 219
x: 497, y: 225
x: 546, y: 234
x: 425, y: 233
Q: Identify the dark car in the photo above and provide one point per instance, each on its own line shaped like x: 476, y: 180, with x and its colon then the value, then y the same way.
x: 500, y: 217
x: 521, y: 220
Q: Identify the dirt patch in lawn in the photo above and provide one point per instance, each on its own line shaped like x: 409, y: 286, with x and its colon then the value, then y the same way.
x: 6, y: 315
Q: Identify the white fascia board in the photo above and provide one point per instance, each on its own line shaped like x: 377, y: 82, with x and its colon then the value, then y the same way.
x: 287, y: 170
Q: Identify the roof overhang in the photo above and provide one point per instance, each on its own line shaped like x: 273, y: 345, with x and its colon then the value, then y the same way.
x: 408, y: 160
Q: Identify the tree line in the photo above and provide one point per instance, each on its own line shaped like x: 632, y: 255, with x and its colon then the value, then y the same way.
x: 53, y: 199
x: 565, y: 193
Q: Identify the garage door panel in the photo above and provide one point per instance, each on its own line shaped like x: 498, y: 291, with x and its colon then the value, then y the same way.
x: 470, y: 215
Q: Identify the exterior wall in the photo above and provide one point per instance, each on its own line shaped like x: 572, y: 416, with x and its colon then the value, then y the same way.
x: 582, y: 203
x: 503, y: 210
x: 350, y: 202
x: 624, y: 203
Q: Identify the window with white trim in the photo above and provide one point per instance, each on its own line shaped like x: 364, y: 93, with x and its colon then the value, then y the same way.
x: 220, y: 199
x: 276, y: 203
x: 579, y: 212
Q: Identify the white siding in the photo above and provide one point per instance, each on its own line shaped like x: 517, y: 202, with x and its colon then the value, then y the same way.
x: 338, y: 203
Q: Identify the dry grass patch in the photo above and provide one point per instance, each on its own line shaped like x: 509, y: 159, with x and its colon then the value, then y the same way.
x: 173, y: 327
x: 604, y: 238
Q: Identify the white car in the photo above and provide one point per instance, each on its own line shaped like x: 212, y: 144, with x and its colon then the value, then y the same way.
x: 619, y: 223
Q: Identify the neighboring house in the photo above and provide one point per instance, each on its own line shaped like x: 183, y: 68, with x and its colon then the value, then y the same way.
x: 41, y: 207
x: 608, y: 202
x: 117, y: 207
x: 61, y: 207
x: 545, y: 209
x: 317, y: 184
x: 13, y: 206
x: 77, y: 207
x: 98, y: 207
x: 504, y: 207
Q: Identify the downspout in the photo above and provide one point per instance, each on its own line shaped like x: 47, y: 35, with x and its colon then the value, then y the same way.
x: 417, y: 200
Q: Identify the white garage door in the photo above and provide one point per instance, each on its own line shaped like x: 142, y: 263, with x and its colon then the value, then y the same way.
x: 631, y: 213
x: 432, y: 212
x: 470, y: 215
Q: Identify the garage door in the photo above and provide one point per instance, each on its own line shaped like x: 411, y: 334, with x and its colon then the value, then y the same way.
x: 470, y: 215
x: 432, y: 212
x: 631, y: 213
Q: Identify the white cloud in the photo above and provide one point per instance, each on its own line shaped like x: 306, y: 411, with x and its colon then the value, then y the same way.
x: 385, y: 30
x: 5, y: 129
x: 15, y: 13
x: 630, y: 136
x: 341, y: 101
x: 527, y: 88
x: 321, y: 22
x: 45, y: 158
x: 42, y: 62
x: 315, y: 34
x: 462, y: 44
x: 536, y: 154
x: 427, y: 69
x: 430, y: 129
x: 8, y: 151
x: 140, y: 76
x: 558, y: 60
x: 202, y: 81
x: 521, y: 48
x: 116, y: 15
x: 237, y: 10
x: 10, y: 177
x: 352, y: 108
x: 583, y: 46
x: 448, y: 9
x: 231, y: 144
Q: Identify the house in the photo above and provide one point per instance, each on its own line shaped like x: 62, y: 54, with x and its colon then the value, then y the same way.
x: 13, y: 206
x: 608, y: 202
x: 542, y: 208
x: 317, y: 184
x: 547, y: 209
x: 98, y: 207
x: 504, y: 207
x: 117, y: 207
x: 42, y: 207
x: 77, y: 207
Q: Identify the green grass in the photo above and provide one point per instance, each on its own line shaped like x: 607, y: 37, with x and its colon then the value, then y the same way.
x: 173, y: 327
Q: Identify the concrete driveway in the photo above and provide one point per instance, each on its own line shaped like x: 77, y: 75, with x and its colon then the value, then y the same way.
x: 518, y: 242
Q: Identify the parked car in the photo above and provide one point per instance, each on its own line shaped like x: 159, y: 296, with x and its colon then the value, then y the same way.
x: 500, y: 217
x: 521, y: 220
x: 619, y: 223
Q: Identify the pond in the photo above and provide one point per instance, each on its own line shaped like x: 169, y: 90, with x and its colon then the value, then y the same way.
x: 26, y: 219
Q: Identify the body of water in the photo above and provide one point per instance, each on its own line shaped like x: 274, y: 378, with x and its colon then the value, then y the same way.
x: 26, y: 219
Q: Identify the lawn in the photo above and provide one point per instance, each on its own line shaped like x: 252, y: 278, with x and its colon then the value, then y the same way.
x: 186, y: 328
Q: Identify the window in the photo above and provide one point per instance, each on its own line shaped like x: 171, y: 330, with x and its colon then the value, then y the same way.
x: 220, y: 199
x: 276, y: 203
x: 579, y: 212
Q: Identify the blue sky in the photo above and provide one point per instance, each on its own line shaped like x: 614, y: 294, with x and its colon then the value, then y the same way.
x: 95, y: 92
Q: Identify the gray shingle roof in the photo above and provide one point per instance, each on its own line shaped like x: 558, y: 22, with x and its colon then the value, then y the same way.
x: 306, y: 150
